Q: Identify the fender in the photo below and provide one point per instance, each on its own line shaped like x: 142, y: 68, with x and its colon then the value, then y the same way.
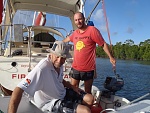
x: 1, y: 10
x: 40, y: 19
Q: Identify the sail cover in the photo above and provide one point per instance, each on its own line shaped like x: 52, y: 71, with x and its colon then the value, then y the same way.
x: 1, y: 10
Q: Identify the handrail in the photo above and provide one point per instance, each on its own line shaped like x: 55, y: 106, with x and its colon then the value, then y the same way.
x: 49, y: 29
x: 29, y: 47
x: 136, y: 100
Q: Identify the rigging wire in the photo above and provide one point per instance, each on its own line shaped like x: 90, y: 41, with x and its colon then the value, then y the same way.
x: 103, y: 6
x: 88, y: 18
x: 111, y: 50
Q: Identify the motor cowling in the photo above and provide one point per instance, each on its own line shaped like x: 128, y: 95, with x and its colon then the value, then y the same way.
x: 114, y: 84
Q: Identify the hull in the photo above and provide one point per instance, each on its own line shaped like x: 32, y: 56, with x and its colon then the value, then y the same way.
x: 28, y: 106
x: 25, y: 106
x: 139, y: 107
x: 14, y: 69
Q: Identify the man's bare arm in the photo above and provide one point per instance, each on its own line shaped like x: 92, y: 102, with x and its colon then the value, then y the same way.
x: 15, y: 100
x: 106, y: 49
x: 68, y: 85
x: 67, y: 39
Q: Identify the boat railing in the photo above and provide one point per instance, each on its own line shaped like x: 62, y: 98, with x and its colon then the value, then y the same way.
x: 53, y: 30
x: 20, y: 29
x: 40, y: 50
x: 8, y: 42
x: 16, y: 42
x: 2, y: 42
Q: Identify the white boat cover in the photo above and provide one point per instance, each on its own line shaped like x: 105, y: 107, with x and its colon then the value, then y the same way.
x: 59, y: 7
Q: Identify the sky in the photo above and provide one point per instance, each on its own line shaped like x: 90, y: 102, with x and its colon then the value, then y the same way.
x: 127, y: 19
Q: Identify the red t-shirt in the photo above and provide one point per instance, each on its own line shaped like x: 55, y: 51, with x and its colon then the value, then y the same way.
x: 85, y: 48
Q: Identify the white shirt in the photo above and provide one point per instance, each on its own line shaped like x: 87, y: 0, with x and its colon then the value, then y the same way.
x: 44, y: 83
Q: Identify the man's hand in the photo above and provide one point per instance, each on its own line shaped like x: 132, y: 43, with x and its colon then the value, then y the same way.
x: 68, y: 85
x: 76, y: 89
x: 113, y: 61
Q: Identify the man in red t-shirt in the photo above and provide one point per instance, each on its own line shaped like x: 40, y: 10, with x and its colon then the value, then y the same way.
x: 85, y: 39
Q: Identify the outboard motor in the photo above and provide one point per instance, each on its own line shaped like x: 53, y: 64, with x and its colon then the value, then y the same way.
x: 112, y: 85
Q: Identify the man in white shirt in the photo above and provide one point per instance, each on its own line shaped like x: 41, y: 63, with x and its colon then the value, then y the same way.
x: 50, y: 91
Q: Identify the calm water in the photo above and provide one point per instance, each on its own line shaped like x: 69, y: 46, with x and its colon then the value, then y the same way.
x: 136, y: 77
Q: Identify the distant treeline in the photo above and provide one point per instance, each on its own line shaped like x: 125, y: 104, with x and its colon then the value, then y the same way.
x: 128, y: 50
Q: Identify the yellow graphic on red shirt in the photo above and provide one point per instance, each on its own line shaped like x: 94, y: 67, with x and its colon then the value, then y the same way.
x: 79, y: 45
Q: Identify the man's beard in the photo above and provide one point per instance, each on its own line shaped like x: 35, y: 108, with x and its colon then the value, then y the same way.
x: 80, y: 26
x: 57, y: 65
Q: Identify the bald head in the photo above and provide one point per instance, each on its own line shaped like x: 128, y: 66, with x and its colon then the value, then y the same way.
x: 79, y: 13
x: 79, y: 20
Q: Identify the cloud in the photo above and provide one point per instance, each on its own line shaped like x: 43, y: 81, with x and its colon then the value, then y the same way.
x: 98, y: 16
x: 140, y: 24
x: 115, y: 33
x: 99, y: 22
x: 102, y: 28
x: 134, y: 1
x: 130, y: 30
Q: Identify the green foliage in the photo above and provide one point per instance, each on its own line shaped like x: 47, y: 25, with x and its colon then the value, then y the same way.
x: 100, y: 52
x: 128, y: 50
